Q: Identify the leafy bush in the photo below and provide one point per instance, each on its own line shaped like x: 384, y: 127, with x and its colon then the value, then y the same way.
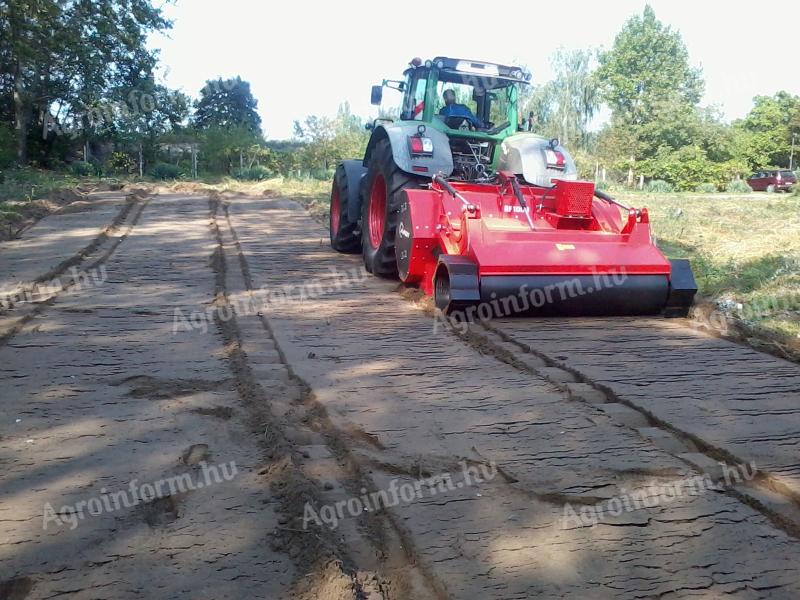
x: 706, y: 188
x: 165, y: 171
x: 119, y: 162
x: 737, y: 186
x: 82, y: 169
x: 321, y: 174
x: 252, y: 174
x: 685, y: 168
x: 658, y: 186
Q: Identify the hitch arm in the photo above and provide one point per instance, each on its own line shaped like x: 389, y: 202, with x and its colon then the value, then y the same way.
x: 439, y: 178
x: 507, y: 177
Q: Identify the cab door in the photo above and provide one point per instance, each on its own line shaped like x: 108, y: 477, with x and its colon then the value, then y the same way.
x: 414, y: 101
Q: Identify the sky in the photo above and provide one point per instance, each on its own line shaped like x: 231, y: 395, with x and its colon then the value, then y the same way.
x: 305, y: 57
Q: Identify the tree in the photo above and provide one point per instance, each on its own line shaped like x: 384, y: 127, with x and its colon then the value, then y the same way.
x: 146, y: 113
x: 648, y: 62
x: 68, y: 54
x: 225, y: 148
x: 328, y: 141
x: 228, y: 104
x: 565, y: 106
x: 653, y: 93
x: 763, y: 138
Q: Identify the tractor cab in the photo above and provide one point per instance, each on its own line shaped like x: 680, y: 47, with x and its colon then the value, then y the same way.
x: 485, y: 95
x: 473, y: 105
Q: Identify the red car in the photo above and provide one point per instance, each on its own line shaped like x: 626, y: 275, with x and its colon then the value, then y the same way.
x: 778, y: 180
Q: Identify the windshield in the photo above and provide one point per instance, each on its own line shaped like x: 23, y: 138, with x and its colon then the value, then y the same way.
x: 487, y: 100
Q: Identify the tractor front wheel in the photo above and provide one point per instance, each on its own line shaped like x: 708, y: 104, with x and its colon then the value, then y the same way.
x: 380, y: 210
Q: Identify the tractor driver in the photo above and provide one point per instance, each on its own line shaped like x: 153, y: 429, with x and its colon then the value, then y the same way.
x: 452, y: 109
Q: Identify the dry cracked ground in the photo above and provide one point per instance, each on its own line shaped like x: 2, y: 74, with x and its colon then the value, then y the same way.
x: 198, y: 399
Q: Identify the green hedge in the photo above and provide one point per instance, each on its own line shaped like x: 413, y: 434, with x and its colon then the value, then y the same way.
x: 165, y: 171
x: 659, y: 186
x: 252, y: 174
x: 82, y: 169
x: 706, y: 188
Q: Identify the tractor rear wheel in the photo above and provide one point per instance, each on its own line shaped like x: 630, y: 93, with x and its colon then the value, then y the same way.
x: 344, y: 233
x: 380, y: 210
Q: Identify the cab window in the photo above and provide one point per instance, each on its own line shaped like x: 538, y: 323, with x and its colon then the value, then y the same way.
x: 415, y: 100
x: 464, y: 95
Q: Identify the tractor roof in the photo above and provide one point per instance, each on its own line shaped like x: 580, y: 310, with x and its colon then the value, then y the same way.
x: 480, y: 68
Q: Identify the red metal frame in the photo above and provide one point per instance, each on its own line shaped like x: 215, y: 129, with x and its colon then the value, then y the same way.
x: 570, y: 235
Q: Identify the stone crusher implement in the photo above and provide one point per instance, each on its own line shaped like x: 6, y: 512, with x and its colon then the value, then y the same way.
x: 518, y: 248
x: 490, y: 220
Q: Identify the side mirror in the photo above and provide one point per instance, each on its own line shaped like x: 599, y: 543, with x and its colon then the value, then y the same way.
x: 377, y: 94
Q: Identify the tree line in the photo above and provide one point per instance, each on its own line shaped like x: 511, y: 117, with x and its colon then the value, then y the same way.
x: 78, y: 89
x: 657, y: 129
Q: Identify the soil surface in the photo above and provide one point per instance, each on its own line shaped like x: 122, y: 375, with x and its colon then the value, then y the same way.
x: 213, y: 404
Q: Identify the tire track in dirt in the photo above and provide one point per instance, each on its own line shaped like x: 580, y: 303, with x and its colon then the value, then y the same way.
x: 107, y: 393
x: 376, y: 367
x: 329, y: 567
x: 766, y: 492
x: 759, y: 492
x: 106, y: 243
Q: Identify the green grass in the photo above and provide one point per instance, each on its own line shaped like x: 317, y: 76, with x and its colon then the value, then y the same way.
x: 31, y: 184
x: 20, y: 188
x: 744, y: 251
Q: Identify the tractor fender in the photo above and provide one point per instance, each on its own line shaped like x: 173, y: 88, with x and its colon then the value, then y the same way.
x: 354, y: 171
x: 524, y: 154
x: 398, y: 133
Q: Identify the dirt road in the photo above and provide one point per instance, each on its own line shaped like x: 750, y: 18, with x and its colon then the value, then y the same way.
x: 308, y: 431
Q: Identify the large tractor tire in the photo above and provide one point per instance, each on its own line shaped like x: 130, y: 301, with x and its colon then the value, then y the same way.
x: 380, y: 209
x: 344, y: 232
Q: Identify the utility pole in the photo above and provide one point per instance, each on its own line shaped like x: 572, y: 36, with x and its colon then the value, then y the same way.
x: 791, y: 154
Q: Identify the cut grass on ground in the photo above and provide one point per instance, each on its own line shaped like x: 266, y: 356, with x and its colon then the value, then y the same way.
x: 745, y: 251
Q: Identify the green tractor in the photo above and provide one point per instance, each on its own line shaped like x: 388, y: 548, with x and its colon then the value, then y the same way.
x: 459, y: 121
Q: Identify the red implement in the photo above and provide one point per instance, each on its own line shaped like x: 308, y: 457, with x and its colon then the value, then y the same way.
x: 558, y: 250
